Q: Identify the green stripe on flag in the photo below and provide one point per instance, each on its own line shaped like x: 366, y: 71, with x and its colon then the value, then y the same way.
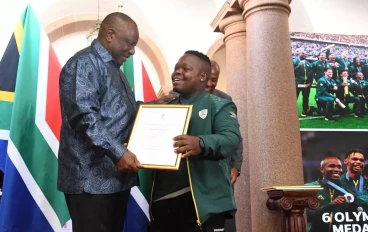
x: 145, y: 176
x: 36, y: 153
x: 145, y: 183
x: 128, y: 70
x: 6, y: 111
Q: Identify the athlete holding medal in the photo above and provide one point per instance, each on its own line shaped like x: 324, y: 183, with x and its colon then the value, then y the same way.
x: 331, y: 197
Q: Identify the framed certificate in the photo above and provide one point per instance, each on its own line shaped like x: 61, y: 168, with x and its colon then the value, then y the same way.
x: 154, y: 128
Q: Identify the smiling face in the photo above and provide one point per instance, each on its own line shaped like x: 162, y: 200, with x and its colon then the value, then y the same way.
x: 355, y: 163
x: 331, y: 169
x: 188, y: 78
x: 122, y: 41
x: 328, y: 73
x: 212, y: 81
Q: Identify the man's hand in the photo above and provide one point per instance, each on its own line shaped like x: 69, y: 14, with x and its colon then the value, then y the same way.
x: 307, y: 85
x: 166, y: 98
x: 128, y: 163
x: 339, y: 200
x: 335, y: 87
x: 187, y: 145
x: 301, y: 63
x: 233, y: 175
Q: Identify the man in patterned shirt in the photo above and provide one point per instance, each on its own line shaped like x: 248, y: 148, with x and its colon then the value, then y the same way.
x: 96, y: 171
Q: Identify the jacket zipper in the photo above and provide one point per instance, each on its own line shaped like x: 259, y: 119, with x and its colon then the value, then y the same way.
x: 191, y: 189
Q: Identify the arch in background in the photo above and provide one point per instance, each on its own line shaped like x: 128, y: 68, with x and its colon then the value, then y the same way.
x: 83, y: 22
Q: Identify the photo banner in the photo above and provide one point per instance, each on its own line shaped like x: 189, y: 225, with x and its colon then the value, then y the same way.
x: 331, y: 74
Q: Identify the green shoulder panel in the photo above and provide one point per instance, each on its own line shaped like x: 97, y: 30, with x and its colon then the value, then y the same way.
x: 219, y: 102
x: 314, y: 183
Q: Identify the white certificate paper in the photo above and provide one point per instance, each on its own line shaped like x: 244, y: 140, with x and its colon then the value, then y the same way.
x: 154, y: 129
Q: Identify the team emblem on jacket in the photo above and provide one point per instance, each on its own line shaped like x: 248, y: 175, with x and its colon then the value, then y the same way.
x: 203, y: 113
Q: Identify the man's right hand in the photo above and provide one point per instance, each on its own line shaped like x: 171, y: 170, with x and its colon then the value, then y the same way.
x: 128, y: 163
x: 339, y: 200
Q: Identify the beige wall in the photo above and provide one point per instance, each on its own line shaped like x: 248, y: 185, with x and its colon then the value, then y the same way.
x: 329, y: 16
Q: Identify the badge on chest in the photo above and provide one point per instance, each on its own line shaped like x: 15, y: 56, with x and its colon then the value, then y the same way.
x: 203, y: 113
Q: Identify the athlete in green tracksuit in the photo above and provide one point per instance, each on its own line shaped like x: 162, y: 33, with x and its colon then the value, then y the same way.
x: 199, y: 196
x: 354, y: 183
x: 360, y: 90
x: 319, y: 66
x: 348, y: 98
x: 324, y: 94
x: 330, y: 198
x: 303, y: 73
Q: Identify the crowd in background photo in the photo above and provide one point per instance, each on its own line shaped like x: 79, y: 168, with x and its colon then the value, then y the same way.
x: 337, y: 66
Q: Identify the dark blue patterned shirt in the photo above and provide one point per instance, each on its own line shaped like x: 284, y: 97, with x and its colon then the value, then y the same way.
x: 98, y: 110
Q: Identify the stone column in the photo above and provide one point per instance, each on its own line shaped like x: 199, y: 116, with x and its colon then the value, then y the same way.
x: 273, y: 128
x: 233, y: 27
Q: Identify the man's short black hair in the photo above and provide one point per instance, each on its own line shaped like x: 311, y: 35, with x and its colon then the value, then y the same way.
x: 341, y: 71
x: 203, y: 57
x: 325, y: 69
x: 328, y: 157
x: 113, y: 20
x: 352, y: 151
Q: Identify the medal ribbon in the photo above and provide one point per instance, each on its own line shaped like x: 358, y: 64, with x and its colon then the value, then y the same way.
x: 361, y: 182
x: 335, y: 186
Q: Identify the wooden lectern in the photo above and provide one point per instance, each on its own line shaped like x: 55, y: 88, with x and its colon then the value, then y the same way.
x: 292, y: 201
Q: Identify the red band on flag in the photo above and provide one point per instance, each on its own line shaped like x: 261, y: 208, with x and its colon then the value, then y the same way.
x: 53, y: 112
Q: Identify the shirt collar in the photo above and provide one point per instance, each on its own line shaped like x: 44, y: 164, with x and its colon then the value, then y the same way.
x: 101, y: 51
x: 191, y: 100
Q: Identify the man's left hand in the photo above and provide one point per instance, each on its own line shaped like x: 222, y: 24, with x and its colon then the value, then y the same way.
x: 166, y: 98
x: 187, y: 145
x: 234, y: 175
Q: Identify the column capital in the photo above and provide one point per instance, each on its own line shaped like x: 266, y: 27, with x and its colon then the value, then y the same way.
x: 232, y: 26
x: 251, y: 6
x: 226, y: 11
x: 292, y: 203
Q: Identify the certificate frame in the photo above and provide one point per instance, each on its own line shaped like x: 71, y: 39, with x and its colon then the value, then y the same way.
x: 147, y: 123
